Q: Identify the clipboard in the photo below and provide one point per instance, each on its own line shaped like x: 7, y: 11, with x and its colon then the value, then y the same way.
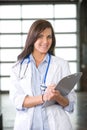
x: 65, y: 85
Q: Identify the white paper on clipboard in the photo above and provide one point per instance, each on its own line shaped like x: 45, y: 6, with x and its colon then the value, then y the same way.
x: 65, y: 85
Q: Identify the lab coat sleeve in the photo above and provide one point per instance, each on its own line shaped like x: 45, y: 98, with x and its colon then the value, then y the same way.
x: 72, y: 98
x: 16, y: 93
x: 72, y: 95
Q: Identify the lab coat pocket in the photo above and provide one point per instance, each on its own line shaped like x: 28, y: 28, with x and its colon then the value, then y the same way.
x: 23, y: 119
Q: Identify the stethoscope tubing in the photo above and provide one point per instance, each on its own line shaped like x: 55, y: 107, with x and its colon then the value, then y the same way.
x: 44, y: 81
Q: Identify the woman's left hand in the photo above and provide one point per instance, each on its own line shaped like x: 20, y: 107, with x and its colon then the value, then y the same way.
x: 52, y: 94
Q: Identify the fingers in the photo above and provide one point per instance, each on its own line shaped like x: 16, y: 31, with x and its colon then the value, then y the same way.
x: 51, y: 94
x: 50, y: 88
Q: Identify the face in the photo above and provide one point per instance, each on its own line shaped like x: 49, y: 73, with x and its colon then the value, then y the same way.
x: 43, y: 42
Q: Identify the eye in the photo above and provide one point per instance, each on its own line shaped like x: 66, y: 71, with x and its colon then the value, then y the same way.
x: 50, y: 36
x: 40, y: 36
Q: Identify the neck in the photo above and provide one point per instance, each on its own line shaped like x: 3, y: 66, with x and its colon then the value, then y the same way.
x: 38, y: 58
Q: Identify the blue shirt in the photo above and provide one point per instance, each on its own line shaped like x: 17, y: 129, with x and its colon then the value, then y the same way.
x: 40, y: 121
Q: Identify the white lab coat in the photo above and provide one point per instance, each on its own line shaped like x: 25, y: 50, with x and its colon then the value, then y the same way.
x: 57, y: 116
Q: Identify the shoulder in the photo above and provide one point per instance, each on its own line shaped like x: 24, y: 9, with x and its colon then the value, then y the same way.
x: 58, y: 60
x: 62, y: 64
x: 15, y: 65
x: 18, y: 63
x: 15, y: 68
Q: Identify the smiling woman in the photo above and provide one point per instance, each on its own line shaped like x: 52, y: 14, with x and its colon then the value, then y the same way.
x: 39, y: 67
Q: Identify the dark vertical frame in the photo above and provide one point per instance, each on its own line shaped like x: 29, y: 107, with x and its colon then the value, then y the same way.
x: 83, y: 42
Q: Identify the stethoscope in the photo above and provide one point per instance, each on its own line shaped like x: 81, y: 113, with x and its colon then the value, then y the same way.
x: 43, y: 84
x: 21, y: 77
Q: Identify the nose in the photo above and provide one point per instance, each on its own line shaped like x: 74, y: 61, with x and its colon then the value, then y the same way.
x: 45, y: 39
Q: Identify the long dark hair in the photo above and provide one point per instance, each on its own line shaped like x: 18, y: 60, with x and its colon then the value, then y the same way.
x: 36, y: 28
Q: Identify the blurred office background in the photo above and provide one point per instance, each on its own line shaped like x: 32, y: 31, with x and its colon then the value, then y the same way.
x: 69, y: 19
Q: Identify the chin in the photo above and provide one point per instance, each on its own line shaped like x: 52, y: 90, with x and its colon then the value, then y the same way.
x: 44, y: 52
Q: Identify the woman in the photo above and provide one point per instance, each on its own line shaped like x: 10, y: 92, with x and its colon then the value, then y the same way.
x: 34, y: 78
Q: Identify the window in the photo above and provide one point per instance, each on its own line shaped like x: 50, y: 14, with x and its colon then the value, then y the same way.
x: 14, y: 27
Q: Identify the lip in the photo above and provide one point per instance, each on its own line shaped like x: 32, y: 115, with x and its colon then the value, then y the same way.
x: 44, y: 46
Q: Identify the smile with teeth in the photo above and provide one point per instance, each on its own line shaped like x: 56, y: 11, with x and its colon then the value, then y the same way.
x: 44, y: 46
